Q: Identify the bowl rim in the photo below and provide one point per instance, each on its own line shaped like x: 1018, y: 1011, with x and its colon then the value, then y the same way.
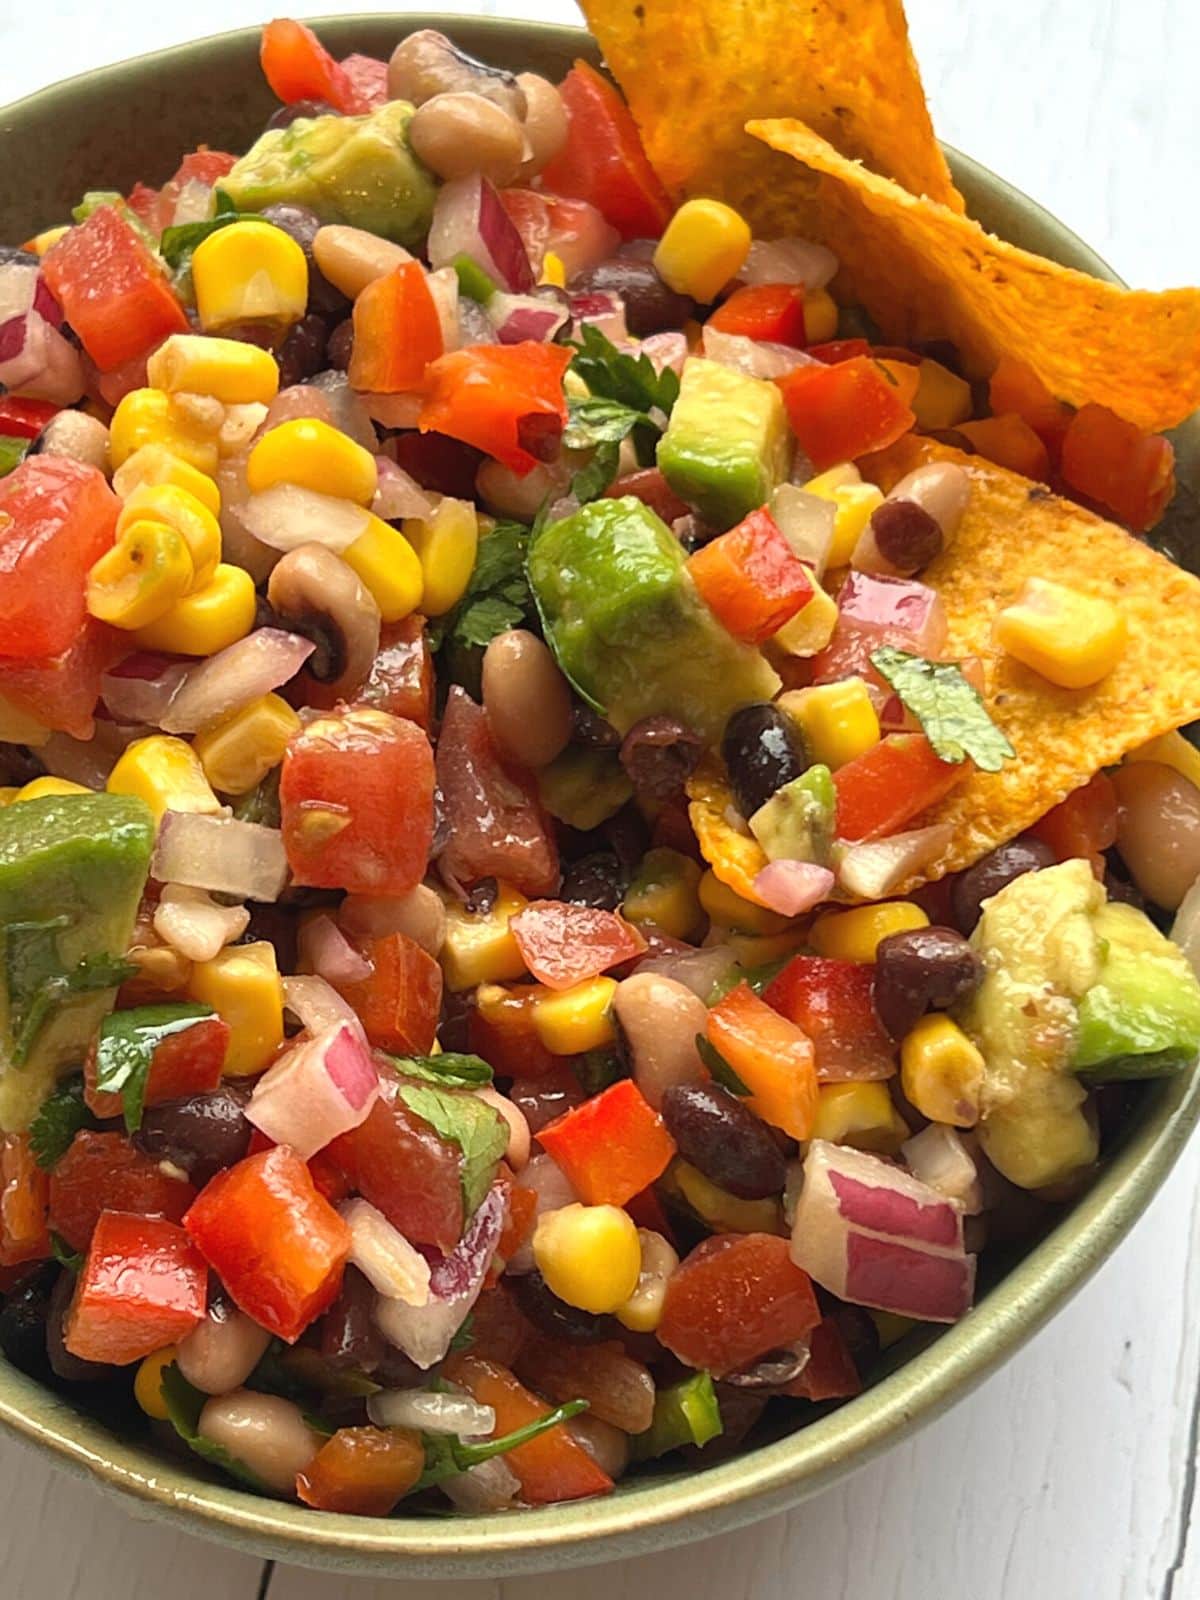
x: 659, y: 1512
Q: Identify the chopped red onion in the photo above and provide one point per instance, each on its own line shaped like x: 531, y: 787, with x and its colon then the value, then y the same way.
x: 517, y: 317
x: 399, y: 495
x: 393, y: 411
x: 937, y: 1156
x: 194, y: 204
x: 469, y: 219
x: 19, y: 281
x: 806, y: 522
x: 140, y: 688
x: 88, y: 761
x: 665, y: 350
x: 789, y: 261
x: 553, y: 1189
x: 698, y: 970
x: 242, y: 672
x: 46, y: 305
x: 430, y: 1411
x: 294, y: 404
x: 346, y: 408
x: 286, y: 516
x: 579, y: 236
x: 395, y: 1269
x: 220, y: 854
x: 792, y: 887
x: 540, y: 433
x: 757, y: 358
x: 320, y: 1089
x: 870, y: 871
x: 902, y: 605
x: 192, y: 922
x: 601, y: 310
x: 453, y: 1276
x: 37, y: 363
x: 325, y: 950
x: 315, y: 1004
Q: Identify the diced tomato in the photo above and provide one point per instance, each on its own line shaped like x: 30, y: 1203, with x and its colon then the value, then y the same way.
x: 579, y: 235
x: 500, y: 1028
x: 298, y: 67
x: 24, y: 1197
x: 841, y: 412
x: 1083, y: 825
x: 832, y: 1002
x: 369, y: 79
x: 274, y: 1242
x: 893, y: 782
x: 649, y: 486
x: 365, y: 1472
x: 733, y: 1299
x: 563, y: 944
x: 356, y: 803
x: 103, y: 1172
x: 1016, y: 388
x: 612, y: 1146
x: 603, y: 161
x: 399, y: 1004
x: 750, y: 579
x: 144, y: 204
x: 498, y: 1329
x: 397, y: 332
x: 1110, y: 461
x: 771, y: 1055
x: 874, y: 611
x: 530, y: 216
x: 184, y: 1063
x: 143, y: 1286
x: 112, y: 291
x: 397, y: 1162
x: 647, y: 1211
x: 61, y: 691
x: 551, y: 1467
x: 519, y: 1220
x: 497, y: 826
x: 328, y: 1179
x: 1010, y: 442
x: 830, y: 1372
x: 834, y: 350
x: 198, y: 166
x: 110, y: 388
x: 770, y: 311
x: 401, y: 680
x: 506, y: 400
x: 24, y: 419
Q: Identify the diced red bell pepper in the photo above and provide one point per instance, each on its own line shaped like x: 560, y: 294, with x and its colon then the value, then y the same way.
x: 563, y: 944
x: 831, y: 351
x: 24, y: 1196
x: 771, y: 1055
x: 519, y: 1218
x: 356, y: 803
x: 649, y: 486
x: 401, y: 680
x: 498, y: 1329
x: 750, y: 579
x: 505, y: 399
x: 184, y: 1063
x: 603, y: 160
x: 1010, y: 442
x: 397, y: 332
x: 841, y: 412
x: 298, y: 67
x: 500, y: 1028
x: 551, y: 1467
x: 497, y: 826
x: 112, y: 291
x: 832, y: 1002
x: 647, y: 1211
x: 1016, y: 388
x: 364, y: 1472
x: 274, y: 1242
x: 61, y: 691
x: 770, y: 311
x: 144, y: 204
x: 369, y: 79
x: 733, y: 1299
x: 530, y: 216
x: 1129, y: 472
x: 397, y: 1162
x: 399, y: 1004
x: 1084, y: 824
x: 612, y: 1146
x: 143, y: 1286
x: 893, y: 782
x: 830, y: 1372
x: 103, y: 1172
x: 24, y: 419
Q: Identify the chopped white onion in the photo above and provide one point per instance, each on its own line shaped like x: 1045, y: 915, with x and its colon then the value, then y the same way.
x: 603, y: 311
x: 487, y: 1486
x: 789, y: 261
x: 238, y: 545
x: 399, y: 495
x: 517, y: 317
x: 870, y: 871
x: 395, y: 1268
x: 431, y: 1412
x: 195, y: 203
x: 469, y: 219
x: 242, y: 672
x: 665, y: 350
x: 87, y: 761
x: 444, y: 291
x: 806, y: 522
x: 793, y: 887
x: 286, y: 516
x: 755, y: 357
x: 18, y: 287
x: 239, y: 427
x: 937, y: 1156
x: 192, y: 922
x: 37, y: 362
x: 1185, y: 930
x: 317, y: 1005
x: 320, y: 1089
x: 325, y: 950
x: 393, y: 411
x: 346, y: 408
x: 220, y: 854
x: 424, y: 1332
x: 554, y: 1190
x: 698, y: 970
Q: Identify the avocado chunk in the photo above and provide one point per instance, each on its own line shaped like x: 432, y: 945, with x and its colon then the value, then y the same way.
x: 72, y: 870
x: 356, y: 170
x: 796, y: 823
x: 727, y: 444
x: 1141, y: 1018
x: 624, y: 619
x: 583, y: 788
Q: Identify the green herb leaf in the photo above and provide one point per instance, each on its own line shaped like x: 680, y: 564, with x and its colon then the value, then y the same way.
x: 126, y: 1046
x: 261, y: 804
x: 184, y: 1405
x: 37, y: 981
x: 446, y: 1457
x: 497, y: 597
x: 955, y: 720
x: 63, y: 1254
x: 451, y: 1070
x: 57, y: 1121
x: 716, y: 1063
x: 613, y: 374
x: 465, y: 1337
x: 177, y: 244
x: 478, y: 1130
x: 597, y: 1070
x: 591, y: 481
x: 600, y: 421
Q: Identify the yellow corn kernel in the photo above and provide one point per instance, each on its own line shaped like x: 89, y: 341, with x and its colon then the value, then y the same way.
x: 860, y: 1114
x: 249, y: 271
x: 854, y: 935
x: 943, y: 399
x: 43, y: 788
x: 166, y: 773
x: 891, y: 1328
x: 811, y: 628
x: 243, y: 986
x: 237, y: 754
x: 1070, y: 638
x: 1170, y: 750
x: 576, y: 1019
x: 642, y: 1312
x: 479, y: 948
x: 705, y: 244
x: 208, y: 619
x: 942, y: 1071
x: 855, y: 502
x: 154, y: 464
x: 446, y: 545
x: 147, y: 416
x: 389, y: 567
x: 147, y: 1385
x: 664, y: 893
x: 724, y: 1212
x: 590, y: 1256
x: 553, y: 270
x: 234, y: 373
x: 183, y: 511
x: 837, y: 720
x: 820, y: 317
x: 41, y: 242
x: 143, y: 575
x: 314, y: 455
x: 724, y: 906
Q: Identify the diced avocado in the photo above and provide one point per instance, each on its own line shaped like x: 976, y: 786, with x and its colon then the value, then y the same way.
x: 356, y: 170
x: 1141, y: 1017
x: 628, y: 628
x: 686, y: 1413
x: 796, y: 823
x: 72, y: 870
x: 727, y: 443
x: 663, y: 894
x: 583, y: 788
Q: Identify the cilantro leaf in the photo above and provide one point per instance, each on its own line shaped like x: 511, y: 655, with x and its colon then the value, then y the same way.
x: 178, y: 243
x: 184, y: 1405
x: 613, y: 374
x: 600, y: 421
x: 497, y: 597
x: 446, y: 1456
x: 590, y: 482
x: 480, y: 1132
x: 465, y: 1335
x: 954, y: 718
x: 451, y: 1069
x: 716, y: 1063
x: 57, y: 1121
x: 261, y: 804
x: 126, y: 1046
x: 37, y: 981
x: 597, y: 1070
x: 63, y: 1254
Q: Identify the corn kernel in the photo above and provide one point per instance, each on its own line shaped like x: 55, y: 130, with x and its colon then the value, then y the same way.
x: 208, y: 619
x: 854, y: 501
x: 154, y: 464
x: 1071, y: 639
x: 943, y: 399
x: 314, y: 455
x: 664, y: 894
x: 590, y: 1256
x: 446, y: 545
x: 143, y: 575
x: 860, y: 1114
x: 43, y: 788
x: 811, y: 629
x: 820, y: 317
x: 724, y: 1212
x: 942, y: 1071
x: 196, y: 525
x: 41, y: 242
x: 854, y: 935
x: 837, y: 720
x: 724, y: 906
x: 149, y: 417
x: 389, y: 567
x: 249, y: 271
x: 642, y: 1312
x: 243, y: 986
x: 237, y: 754
x: 235, y: 373
x: 147, y: 1385
x: 1170, y: 750
x: 576, y: 1019
x: 166, y: 773
x: 18, y: 727
x: 479, y: 948
x: 553, y: 270
x: 705, y: 244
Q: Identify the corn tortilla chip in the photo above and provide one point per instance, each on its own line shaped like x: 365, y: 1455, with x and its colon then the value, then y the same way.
x: 1013, y: 530
x: 925, y: 272
x: 730, y: 850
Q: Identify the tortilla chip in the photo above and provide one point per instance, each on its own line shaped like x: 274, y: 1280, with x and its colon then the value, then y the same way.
x: 1013, y: 530
x: 925, y: 272
x: 694, y: 71
x: 725, y: 843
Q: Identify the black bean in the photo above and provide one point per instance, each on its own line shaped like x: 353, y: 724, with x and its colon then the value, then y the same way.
x: 286, y: 115
x: 340, y: 346
x: 650, y: 305
x: 923, y: 969
x: 200, y: 1134
x: 301, y: 224
x: 302, y: 353
x: 724, y: 1139
x: 23, y: 1320
x: 555, y: 1317
x: 64, y: 1365
x: 987, y: 877
x: 857, y: 1328
x: 771, y: 1371
x: 482, y: 897
x: 660, y: 754
x: 906, y: 535
x: 346, y: 1334
x: 762, y: 750
x: 598, y: 880
x: 589, y: 729
x: 638, y: 250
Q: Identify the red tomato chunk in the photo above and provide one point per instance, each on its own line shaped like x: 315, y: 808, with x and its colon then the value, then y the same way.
x: 769, y: 311
x: 24, y: 1195
x: 563, y: 944
x: 397, y: 1162
x: 892, y: 783
x: 506, y: 400
x: 832, y: 1002
x: 841, y: 412
x: 184, y: 1064
x: 143, y: 1286
x: 401, y: 680
x: 612, y: 1146
x: 363, y: 1471
x: 400, y: 1002
x: 103, y: 1172
x: 733, y: 1299
x: 750, y: 578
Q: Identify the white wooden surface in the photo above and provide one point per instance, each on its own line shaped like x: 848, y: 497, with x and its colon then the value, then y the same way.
x: 1072, y: 1473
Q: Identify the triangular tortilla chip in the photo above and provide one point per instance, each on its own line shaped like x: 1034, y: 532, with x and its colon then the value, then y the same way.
x: 925, y: 272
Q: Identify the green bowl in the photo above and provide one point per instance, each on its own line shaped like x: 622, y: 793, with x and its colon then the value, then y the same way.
x: 131, y: 121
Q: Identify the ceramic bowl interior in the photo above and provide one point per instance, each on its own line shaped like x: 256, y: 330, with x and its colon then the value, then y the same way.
x: 131, y: 121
